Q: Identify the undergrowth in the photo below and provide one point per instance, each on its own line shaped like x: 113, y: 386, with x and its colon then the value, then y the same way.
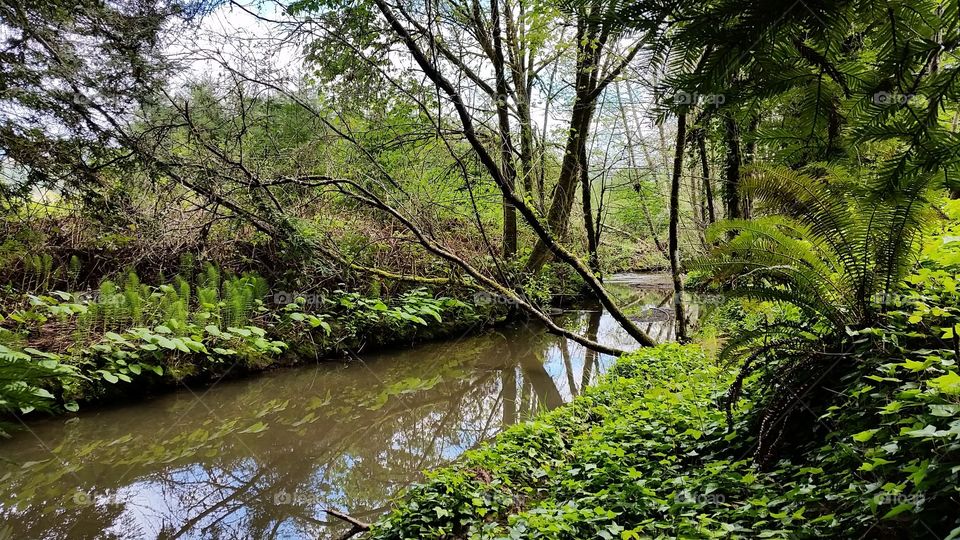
x: 127, y: 336
x: 648, y: 453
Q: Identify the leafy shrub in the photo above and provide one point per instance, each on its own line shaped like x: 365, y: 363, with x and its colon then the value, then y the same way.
x: 23, y: 379
x: 827, y: 246
x: 141, y: 333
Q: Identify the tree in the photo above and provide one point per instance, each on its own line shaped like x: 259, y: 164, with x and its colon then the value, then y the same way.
x: 69, y: 68
x: 858, y: 115
x: 597, y: 65
x: 674, y: 237
x: 444, y: 70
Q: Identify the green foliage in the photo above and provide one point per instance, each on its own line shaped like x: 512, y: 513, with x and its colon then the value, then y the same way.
x: 73, y: 62
x: 143, y: 335
x: 647, y: 454
x: 825, y: 246
x: 829, y: 248
x: 24, y: 379
x: 347, y: 319
x: 861, y: 82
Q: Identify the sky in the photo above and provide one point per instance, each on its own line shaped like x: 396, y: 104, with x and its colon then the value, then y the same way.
x: 232, y: 34
x: 237, y: 34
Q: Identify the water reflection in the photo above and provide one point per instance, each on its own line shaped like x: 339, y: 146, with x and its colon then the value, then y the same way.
x: 263, y: 458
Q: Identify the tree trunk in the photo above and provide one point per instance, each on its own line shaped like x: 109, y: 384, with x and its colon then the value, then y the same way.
x: 731, y: 180
x: 593, y: 258
x: 584, y: 103
x: 681, y: 318
x: 521, y: 63
x: 707, y: 185
x: 750, y: 155
x: 506, y: 147
x: 565, y: 191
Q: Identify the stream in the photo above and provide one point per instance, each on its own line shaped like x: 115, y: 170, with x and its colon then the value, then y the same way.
x: 263, y: 457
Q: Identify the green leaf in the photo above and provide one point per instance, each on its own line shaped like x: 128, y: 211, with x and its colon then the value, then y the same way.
x: 914, y: 365
x: 897, y: 510
x: 43, y: 393
x: 946, y: 384
x: 928, y: 431
x: 945, y: 411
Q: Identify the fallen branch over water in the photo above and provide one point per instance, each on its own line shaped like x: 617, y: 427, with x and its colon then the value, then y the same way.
x: 358, y: 526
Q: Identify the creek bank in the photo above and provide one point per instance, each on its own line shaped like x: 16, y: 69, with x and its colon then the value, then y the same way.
x: 305, y: 351
x: 125, y: 366
x: 648, y: 453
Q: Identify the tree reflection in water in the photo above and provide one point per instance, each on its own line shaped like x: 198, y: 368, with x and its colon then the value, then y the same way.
x: 263, y: 458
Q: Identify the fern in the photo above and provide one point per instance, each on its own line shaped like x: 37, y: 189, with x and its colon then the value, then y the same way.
x: 827, y: 246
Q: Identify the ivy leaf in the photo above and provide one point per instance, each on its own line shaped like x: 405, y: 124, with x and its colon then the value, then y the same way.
x: 947, y: 384
x: 914, y: 365
x: 897, y: 510
x: 945, y: 411
x: 865, y: 436
x: 929, y: 431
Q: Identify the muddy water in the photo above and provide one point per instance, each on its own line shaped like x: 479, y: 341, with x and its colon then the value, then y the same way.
x: 263, y: 457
